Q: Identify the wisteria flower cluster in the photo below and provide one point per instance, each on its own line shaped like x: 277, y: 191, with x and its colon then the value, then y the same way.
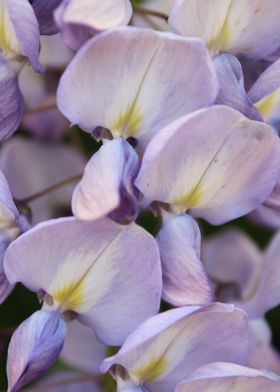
x: 129, y: 130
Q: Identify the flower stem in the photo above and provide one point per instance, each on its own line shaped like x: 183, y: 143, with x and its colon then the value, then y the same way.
x: 51, y: 104
x: 50, y: 189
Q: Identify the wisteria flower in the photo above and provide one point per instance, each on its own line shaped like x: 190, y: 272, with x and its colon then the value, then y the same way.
x: 130, y: 91
x: 106, y: 275
x: 207, y: 181
x: 107, y: 186
x: 12, y: 224
x: 268, y: 213
x: 247, y: 27
x: 78, y: 19
x: 176, y: 106
x: 242, y: 275
x: 167, y: 348
x: 19, y: 43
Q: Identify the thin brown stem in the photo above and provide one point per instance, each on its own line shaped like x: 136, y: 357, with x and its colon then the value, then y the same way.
x: 43, y: 108
x: 144, y: 11
x: 52, y: 188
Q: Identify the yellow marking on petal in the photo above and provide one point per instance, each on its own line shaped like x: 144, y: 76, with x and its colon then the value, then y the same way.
x: 151, y: 371
x: 128, y: 122
x: 70, y: 296
x: 3, y: 36
x: 189, y: 200
x: 8, y: 40
x: 220, y: 41
x: 267, y: 104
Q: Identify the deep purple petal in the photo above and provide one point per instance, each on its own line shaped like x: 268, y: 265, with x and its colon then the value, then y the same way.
x: 34, y: 347
x: 44, y: 13
x: 11, y: 101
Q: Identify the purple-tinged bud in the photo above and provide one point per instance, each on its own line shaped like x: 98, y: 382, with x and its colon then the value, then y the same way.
x: 34, y: 347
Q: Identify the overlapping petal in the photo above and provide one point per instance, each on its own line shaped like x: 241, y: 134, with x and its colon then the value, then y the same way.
x: 19, y: 42
x: 184, y: 279
x: 234, y: 264
x: 44, y: 12
x: 267, y: 295
x: 10, y: 227
x: 265, y: 93
x: 228, y: 166
x: 262, y: 355
x: 149, y: 21
x: 235, y: 26
x: 131, y: 91
x: 269, y: 212
x: 108, y: 274
x: 241, y: 274
x: 232, y: 92
x: 265, y: 215
x: 77, y: 19
x: 170, y: 346
x: 24, y: 24
x: 223, y: 377
x: 107, y: 184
